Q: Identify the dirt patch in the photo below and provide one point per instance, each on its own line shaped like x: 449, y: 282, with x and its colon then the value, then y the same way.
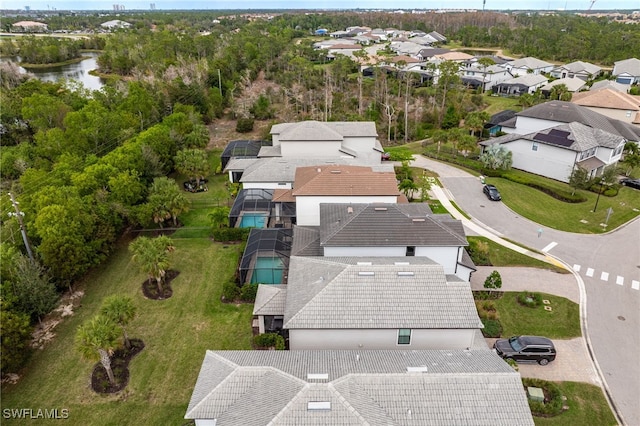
x: 43, y: 333
x: 150, y: 287
x: 119, y: 365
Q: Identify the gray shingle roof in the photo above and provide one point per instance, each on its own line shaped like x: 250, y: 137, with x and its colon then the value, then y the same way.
x: 388, y: 225
x: 363, y: 388
x: 306, y: 241
x: 530, y: 63
x: 579, y: 137
x: 567, y: 112
x: 270, y: 299
x: 527, y: 80
x: 375, y: 293
x: 629, y: 66
x: 324, y: 131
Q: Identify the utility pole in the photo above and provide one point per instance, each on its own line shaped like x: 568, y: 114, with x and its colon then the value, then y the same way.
x: 19, y: 214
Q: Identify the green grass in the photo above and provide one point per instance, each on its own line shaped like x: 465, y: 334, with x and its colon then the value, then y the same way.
x: 570, y: 217
x: 587, y: 407
x: 563, y: 322
x: 495, y: 104
x: 502, y: 256
x: 176, y: 331
x: 436, y: 207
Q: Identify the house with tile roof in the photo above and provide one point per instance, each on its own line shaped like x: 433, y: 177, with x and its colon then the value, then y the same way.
x: 528, y: 65
x: 487, y: 77
x: 526, y: 83
x: 377, y: 303
x: 553, y: 113
x: 555, y: 152
x: 572, y: 84
x: 578, y: 69
x: 453, y: 387
x: 612, y: 103
x: 627, y: 71
x: 29, y: 27
x: 315, y: 185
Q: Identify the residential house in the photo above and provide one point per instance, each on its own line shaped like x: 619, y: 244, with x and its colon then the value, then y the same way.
x: 412, y: 388
x: 346, y: 49
x: 527, y: 83
x: 429, y: 52
x: 572, y: 84
x: 115, y: 24
x: 486, y: 77
x: 552, y: 113
x: 29, y: 27
x: 555, y: 152
x: 610, y: 84
x: 377, y: 303
x: 583, y: 70
x: 406, y: 48
x: 627, y: 71
x: 320, y: 184
x: 612, y: 103
x: 494, y: 125
x: 437, y: 37
x: 528, y: 65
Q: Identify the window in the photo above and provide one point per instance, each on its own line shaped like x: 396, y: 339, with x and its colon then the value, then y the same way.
x: 404, y: 336
x: 534, y: 147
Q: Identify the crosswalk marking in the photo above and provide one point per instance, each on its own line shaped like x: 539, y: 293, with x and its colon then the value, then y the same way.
x: 604, y: 276
x: 549, y: 246
x: 589, y: 272
x: 620, y: 280
x: 576, y: 268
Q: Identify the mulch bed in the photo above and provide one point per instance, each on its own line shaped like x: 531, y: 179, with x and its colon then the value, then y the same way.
x: 119, y: 365
x: 150, y: 287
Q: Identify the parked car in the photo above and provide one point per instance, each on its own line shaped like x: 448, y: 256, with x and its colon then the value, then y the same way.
x: 526, y: 349
x: 491, y: 192
x: 631, y: 183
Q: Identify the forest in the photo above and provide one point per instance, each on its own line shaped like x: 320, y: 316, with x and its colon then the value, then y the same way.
x: 84, y: 167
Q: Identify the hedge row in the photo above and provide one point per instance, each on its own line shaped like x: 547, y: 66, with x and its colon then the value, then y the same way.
x: 269, y: 340
x: 224, y: 235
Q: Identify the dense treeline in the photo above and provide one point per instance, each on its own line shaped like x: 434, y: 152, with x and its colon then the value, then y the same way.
x: 48, y: 50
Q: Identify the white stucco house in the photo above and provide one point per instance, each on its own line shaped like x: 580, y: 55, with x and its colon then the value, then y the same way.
x: 627, y: 71
x: 412, y: 388
x: 528, y: 65
x: 487, y: 76
x: 377, y: 303
x: 577, y: 69
x: 315, y: 185
x: 554, y: 152
x: 527, y: 83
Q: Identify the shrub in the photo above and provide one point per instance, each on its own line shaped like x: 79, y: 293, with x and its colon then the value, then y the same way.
x: 244, y: 125
x: 487, y: 310
x: 553, y: 401
x: 230, y: 234
x: 529, y: 299
x: 230, y: 292
x: 492, y: 328
x: 512, y: 363
x: 269, y: 340
x: 479, y: 252
x: 248, y: 292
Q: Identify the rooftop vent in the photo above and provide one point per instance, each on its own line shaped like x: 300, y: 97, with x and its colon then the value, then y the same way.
x: 318, y: 405
x: 366, y: 273
x: 319, y: 169
x: 380, y: 209
x: 336, y: 172
x: 401, y: 263
x: 416, y: 219
x: 317, y: 376
x: 420, y: 369
x: 405, y: 273
x: 349, y: 209
x: 364, y: 263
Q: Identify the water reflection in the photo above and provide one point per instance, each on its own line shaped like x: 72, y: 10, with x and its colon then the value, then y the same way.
x: 78, y: 71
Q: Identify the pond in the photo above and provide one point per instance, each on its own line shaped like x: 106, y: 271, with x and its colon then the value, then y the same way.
x: 78, y: 71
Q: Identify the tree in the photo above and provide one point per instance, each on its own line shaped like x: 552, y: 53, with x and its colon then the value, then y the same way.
x: 493, y: 281
x: 423, y: 184
x: 15, y: 333
x: 578, y: 179
x: 475, y: 121
x: 560, y: 92
x: 408, y: 186
x: 496, y: 157
x: 261, y: 109
x: 152, y: 254
x: 166, y: 200
x: 120, y: 310
x: 96, y: 339
x: 34, y: 293
x: 631, y: 157
x: 219, y: 216
x: 193, y: 163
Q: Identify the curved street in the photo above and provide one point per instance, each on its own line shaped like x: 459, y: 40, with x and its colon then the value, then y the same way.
x: 606, y: 269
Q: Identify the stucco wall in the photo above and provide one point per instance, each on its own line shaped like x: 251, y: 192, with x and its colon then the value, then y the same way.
x: 548, y: 161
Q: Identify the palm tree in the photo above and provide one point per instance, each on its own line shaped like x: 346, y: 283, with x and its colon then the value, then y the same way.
x: 96, y: 339
x: 120, y: 310
x: 152, y: 254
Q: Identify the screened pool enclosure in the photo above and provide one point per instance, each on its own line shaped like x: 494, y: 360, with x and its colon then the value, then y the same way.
x: 266, y: 256
x: 254, y: 208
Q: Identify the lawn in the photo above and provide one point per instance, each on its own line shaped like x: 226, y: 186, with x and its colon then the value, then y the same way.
x: 176, y: 332
x: 563, y: 322
x: 570, y: 217
x: 495, y: 104
x: 502, y: 256
x: 587, y: 407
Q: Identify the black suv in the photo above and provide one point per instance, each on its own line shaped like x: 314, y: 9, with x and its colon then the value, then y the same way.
x: 491, y: 192
x: 631, y: 183
x: 526, y: 348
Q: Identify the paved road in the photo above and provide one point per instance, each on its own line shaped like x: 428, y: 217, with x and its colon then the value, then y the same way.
x: 607, y: 265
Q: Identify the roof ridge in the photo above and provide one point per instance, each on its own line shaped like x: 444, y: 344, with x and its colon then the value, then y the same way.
x: 210, y: 354
x: 274, y: 293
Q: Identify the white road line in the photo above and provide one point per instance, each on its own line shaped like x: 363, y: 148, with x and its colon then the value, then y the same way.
x: 549, y: 247
x: 635, y: 285
x: 619, y: 280
x: 589, y: 272
x: 604, y: 276
x: 576, y: 268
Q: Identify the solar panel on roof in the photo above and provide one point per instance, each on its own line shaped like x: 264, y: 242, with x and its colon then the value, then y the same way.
x: 555, y: 137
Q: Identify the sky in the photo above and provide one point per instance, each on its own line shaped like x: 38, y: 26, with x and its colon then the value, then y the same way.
x: 320, y: 4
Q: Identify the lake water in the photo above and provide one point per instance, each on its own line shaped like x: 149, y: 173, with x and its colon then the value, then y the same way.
x: 78, y: 71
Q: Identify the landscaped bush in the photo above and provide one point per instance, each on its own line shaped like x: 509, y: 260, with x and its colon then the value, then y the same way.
x: 230, y: 291
x: 269, y: 340
x: 487, y: 310
x: 553, y: 401
x: 248, y: 292
x: 529, y: 299
x: 479, y: 252
x: 492, y: 328
x: 556, y: 193
x: 230, y: 234
x: 244, y: 125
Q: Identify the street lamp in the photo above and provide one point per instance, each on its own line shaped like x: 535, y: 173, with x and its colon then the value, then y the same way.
x: 598, y: 197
